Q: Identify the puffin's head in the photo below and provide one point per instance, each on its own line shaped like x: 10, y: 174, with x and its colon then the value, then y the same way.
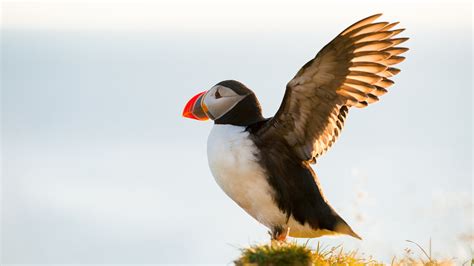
x: 228, y: 102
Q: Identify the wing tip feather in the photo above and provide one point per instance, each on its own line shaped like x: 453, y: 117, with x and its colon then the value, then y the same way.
x: 361, y: 22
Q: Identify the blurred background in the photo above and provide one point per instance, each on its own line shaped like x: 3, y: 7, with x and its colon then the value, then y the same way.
x: 98, y: 166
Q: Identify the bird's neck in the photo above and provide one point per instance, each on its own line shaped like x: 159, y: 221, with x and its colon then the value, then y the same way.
x: 245, y: 113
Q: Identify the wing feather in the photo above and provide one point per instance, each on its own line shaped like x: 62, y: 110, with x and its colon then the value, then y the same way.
x: 361, y: 23
x: 353, y: 70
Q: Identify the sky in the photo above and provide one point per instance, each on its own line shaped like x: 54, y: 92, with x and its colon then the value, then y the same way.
x: 98, y: 166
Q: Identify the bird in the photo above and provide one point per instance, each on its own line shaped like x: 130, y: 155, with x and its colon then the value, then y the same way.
x: 265, y: 165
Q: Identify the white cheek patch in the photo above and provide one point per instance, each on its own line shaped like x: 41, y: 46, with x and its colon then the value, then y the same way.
x: 225, y: 92
x: 217, y: 107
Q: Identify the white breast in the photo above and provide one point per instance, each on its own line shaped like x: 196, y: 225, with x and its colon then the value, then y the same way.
x: 232, y: 159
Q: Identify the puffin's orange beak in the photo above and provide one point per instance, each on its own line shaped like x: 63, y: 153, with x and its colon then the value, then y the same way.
x: 195, y: 108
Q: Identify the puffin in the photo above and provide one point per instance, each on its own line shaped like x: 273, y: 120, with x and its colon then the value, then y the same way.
x: 265, y: 164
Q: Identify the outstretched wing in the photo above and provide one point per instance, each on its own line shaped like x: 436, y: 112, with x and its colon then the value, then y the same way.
x: 352, y: 70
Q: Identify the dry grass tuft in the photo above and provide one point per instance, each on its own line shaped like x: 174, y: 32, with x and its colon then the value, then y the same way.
x: 292, y: 253
x: 425, y: 260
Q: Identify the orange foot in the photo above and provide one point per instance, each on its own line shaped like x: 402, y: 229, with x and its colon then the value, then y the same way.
x: 279, y: 233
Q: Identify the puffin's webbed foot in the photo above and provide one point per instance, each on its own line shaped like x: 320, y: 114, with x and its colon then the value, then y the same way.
x: 279, y: 233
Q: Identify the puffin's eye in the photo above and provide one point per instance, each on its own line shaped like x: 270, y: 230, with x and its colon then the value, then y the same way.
x: 217, y: 95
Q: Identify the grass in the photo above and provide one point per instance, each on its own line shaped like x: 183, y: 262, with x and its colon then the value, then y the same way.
x: 276, y: 254
x: 294, y: 254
